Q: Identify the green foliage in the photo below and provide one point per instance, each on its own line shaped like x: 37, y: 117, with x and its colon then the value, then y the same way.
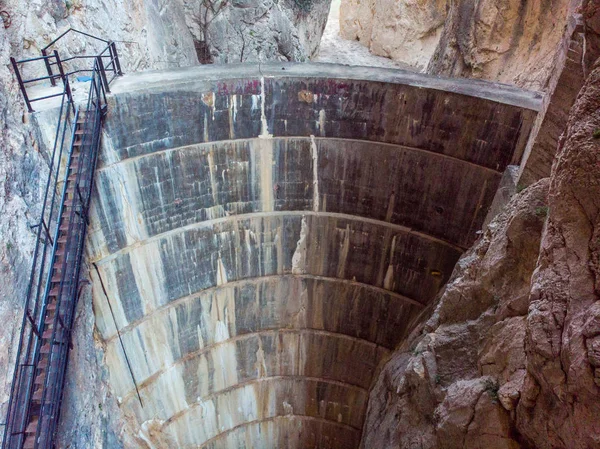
x: 596, y: 133
x: 73, y: 5
x: 9, y: 246
x: 437, y: 379
x: 520, y: 188
x: 491, y: 388
x: 541, y: 211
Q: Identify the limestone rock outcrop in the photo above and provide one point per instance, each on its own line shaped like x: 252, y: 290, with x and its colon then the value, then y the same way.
x: 502, y: 40
x: 265, y: 30
x: 446, y: 387
x: 562, y: 386
x: 509, y: 357
x: 406, y: 30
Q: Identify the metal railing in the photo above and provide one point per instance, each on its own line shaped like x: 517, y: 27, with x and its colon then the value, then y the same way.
x: 112, y: 67
x: 49, y: 309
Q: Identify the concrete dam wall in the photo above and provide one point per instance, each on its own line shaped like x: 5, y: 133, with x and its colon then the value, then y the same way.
x: 267, y: 234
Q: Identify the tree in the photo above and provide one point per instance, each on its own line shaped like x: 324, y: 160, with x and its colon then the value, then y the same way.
x: 208, y: 10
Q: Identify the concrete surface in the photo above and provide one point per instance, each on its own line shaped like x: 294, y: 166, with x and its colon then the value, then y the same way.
x: 268, y: 234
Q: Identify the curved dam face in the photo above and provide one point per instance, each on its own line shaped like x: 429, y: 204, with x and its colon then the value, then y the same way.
x: 267, y: 235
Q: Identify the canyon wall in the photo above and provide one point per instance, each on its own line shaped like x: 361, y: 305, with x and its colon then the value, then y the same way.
x: 406, y: 31
x: 502, y: 40
x: 248, y: 30
x: 508, y: 358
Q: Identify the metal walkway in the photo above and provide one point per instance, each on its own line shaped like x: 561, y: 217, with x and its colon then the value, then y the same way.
x: 43, y: 349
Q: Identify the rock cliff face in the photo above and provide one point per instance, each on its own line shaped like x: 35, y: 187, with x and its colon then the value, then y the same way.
x: 561, y: 391
x: 508, y: 41
x: 248, y: 30
x: 450, y: 385
x: 509, y: 357
x: 406, y: 31
x: 501, y: 40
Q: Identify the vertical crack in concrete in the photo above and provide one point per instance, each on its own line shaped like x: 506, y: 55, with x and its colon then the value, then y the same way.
x: 388, y: 282
x: 221, y: 273
x: 131, y: 217
x: 205, y: 129
x: 213, y: 181
x: 264, y: 134
x: 321, y: 123
x: 266, y: 174
x: 344, y: 254
x: 313, y: 152
x: 232, y: 115
x: 478, y: 208
x: 266, y: 154
x: 390, y: 209
x: 299, y: 257
x: 261, y: 364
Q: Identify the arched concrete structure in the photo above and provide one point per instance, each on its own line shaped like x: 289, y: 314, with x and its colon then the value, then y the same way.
x: 266, y: 235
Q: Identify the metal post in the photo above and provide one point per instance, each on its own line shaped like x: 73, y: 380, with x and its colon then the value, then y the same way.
x: 48, y: 67
x: 63, y: 77
x: 102, y: 74
x: 21, y: 85
x: 116, y: 56
x: 112, y: 59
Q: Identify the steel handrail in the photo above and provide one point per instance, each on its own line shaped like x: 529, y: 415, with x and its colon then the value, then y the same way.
x: 32, y: 276
x: 40, y: 283
x: 54, y: 59
x: 74, y: 31
x: 90, y: 140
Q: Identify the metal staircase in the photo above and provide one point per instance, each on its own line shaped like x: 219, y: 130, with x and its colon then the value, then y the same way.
x: 43, y: 349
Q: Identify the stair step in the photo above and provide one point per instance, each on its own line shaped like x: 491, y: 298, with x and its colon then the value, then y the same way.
x: 47, y: 334
x: 32, y: 427
x: 55, y: 291
x: 37, y: 396
x: 45, y: 349
x: 51, y: 306
x: 39, y: 379
x: 43, y: 363
x: 29, y: 442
